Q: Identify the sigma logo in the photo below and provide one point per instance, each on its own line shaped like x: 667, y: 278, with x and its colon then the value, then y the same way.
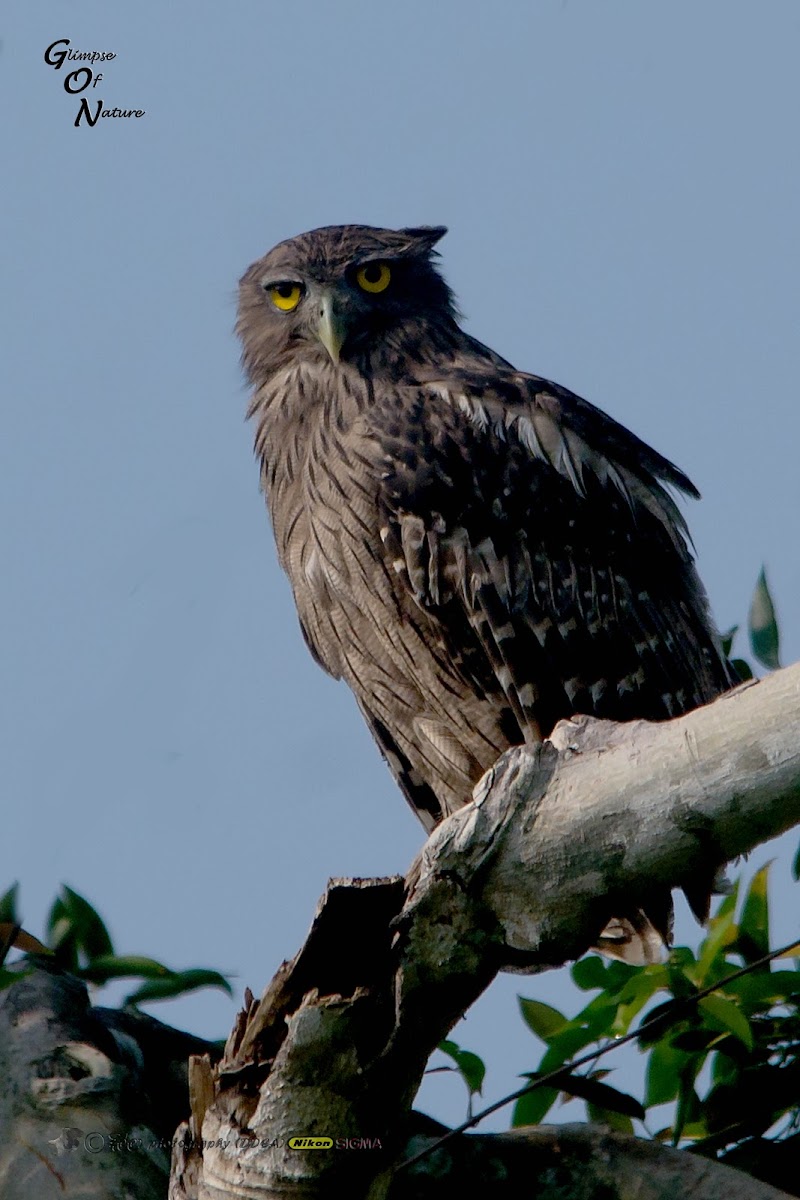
x: 341, y: 1143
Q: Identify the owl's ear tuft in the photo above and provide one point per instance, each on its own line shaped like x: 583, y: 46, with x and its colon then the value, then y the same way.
x: 425, y: 237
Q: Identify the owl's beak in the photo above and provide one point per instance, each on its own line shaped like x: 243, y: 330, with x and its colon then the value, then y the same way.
x: 331, y: 328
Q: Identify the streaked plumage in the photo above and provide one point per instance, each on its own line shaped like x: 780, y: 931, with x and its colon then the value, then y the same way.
x: 477, y: 551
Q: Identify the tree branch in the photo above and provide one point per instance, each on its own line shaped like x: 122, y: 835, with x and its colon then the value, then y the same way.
x: 601, y: 819
x: 582, y: 1162
x: 89, y: 1097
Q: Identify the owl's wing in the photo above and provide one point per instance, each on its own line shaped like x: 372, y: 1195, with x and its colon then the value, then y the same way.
x: 537, y: 528
x: 541, y: 537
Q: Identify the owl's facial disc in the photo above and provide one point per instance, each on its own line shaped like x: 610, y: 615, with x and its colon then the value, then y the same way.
x: 331, y: 324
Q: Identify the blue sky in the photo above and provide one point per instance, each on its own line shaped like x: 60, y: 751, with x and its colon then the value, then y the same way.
x: 621, y: 182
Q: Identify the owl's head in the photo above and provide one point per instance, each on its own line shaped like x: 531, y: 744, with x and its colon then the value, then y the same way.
x: 342, y: 292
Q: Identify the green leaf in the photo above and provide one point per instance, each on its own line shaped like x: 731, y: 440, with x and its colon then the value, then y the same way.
x: 695, y: 1131
x: 727, y: 640
x: 722, y: 931
x: 636, y: 994
x: 665, y: 1069
x: 543, y: 1019
x: 593, y: 1091
x: 123, y: 966
x: 721, y: 934
x: 742, y: 669
x: 9, y: 913
x: 660, y: 1020
x: 796, y: 864
x: 682, y: 968
x: 618, y: 974
x: 533, y: 1107
x: 565, y: 1046
x: 763, y: 626
x: 727, y: 904
x: 724, y: 1069
x: 689, y: 1110
x: 177, y: 984
x: 724, y: 1014
x: 761, y: 990
x: 696, y: 1041
x: 753, y: 940
x: 75, y: 929
x: 598, y: 1017
x: 589, y: 973
x: 612, y: 1120
x: 471, y: 1068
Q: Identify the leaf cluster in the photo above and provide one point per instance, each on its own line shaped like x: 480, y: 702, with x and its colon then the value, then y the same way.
x: 729, y: 1062
x: 78, y: 941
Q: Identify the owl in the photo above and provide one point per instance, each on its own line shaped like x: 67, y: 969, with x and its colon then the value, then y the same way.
x: 475, y: 550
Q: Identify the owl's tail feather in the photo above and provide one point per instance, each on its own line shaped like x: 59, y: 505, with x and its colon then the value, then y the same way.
x: 642, y: 937
x: 635, y: 939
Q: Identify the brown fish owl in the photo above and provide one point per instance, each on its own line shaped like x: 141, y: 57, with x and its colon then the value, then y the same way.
x: 477, y: 551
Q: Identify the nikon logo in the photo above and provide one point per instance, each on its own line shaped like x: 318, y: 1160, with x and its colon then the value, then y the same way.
x: 310, y: 1143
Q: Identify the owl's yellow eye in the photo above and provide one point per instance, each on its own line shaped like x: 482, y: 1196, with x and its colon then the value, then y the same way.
x: 374, y: 277
x: 285, y: 296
